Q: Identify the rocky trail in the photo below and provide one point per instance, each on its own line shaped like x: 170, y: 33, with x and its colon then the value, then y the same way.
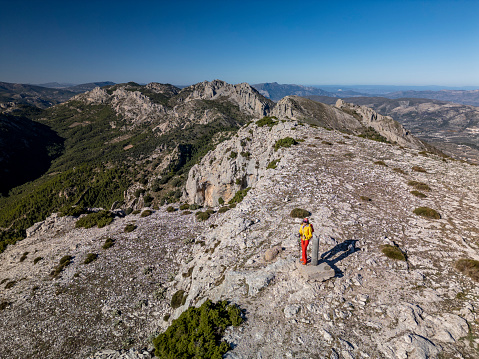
x: 358, y: 194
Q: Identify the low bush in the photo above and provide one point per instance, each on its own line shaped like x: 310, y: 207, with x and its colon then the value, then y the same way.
x: 184, y: 206
x: 100, y: 219
x: 194, y: 206
x: 24, y: 256
x: 327, y: 143
x: 178, y: 299
x: 223, y: 209
x: 198, y: 332
x: 419, y: 185
x: 36, y: 260
x: 418, y: 169
x: 239, y: 196
x: 221, y: 201
x: 129, y: 228
x: 299, y: 213
x: 381, y: 163
x: 202, y: 216
x: 108, y: 243
x: 135, y: 212
x: 90, y: 257
x: 75, y: 211
x: 246, y: 154
x: 146, y: 213
x: 399, y: 170
x: 468, y: 267
x: 366, y: 199
x: 273, y: 164
x: 64, y: 262
x: 233, y: 154
x: 267, y: 121
x: 170, y: 209
x: 427, y: 212
x: 186, y: 212
x: 285, y: 142
x: 393, y: 252
x: 418, y: 194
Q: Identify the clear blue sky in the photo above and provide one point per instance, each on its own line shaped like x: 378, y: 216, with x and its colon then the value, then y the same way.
x: 183, y: 42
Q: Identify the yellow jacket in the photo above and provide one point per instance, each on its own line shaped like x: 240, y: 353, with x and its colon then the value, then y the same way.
x: 305, y: 232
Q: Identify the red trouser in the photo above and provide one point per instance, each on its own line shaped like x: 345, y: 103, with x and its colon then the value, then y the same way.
x: 304, y: 247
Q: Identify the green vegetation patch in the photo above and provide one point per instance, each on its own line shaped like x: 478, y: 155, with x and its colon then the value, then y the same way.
x: 299, y: 213
x: 273, y: 164
x: 64, y: 262
x: 130, y: 228
x: 233, y: 154
x: 24, y: 256
x: 178, y: 299
x: 267, y: 121
x: 381, y: 163
x: 198, y: 332
x: 223, y: 209
x: 202, y: 216
x: 393, y: 252
x: 239, y: 196
x: 399, y: 170
x: 184, y: 206
x: 36, y: 260
x: 146, y: 213
x: 194, y: 206
x: 418, y: 194
x: 419, y: 185
x: 170, y: 209
x: 427, y: 212
x: 468, y: 267
x: 90, y: 257
x: 110, y: 242
x: 74, y: 211
x: 285, y: 142
x: 100, y: 219
x: 371, y: 134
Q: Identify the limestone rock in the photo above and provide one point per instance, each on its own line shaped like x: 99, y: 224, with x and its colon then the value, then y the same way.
x: 272, y: 253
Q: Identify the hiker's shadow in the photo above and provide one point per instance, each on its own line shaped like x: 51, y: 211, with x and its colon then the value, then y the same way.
x: 338, y: 253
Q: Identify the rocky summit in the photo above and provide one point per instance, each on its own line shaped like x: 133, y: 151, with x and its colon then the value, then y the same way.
x: 395, y: 220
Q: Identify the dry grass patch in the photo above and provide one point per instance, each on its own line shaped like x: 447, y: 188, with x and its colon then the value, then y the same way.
x: 299, y: 213
x: 427, y: 212
x: 468, y: 267
x: 393, y: 252
x: 418, y: 194
x: 381, y: 163
x: 418, y: 169
x: 399, y: 170
x: 419, y: 185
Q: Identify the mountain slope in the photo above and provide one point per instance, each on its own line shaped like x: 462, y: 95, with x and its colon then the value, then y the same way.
x: 373, y: 306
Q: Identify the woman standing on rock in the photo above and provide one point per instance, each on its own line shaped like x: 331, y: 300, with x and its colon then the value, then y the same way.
x: 306, y: 232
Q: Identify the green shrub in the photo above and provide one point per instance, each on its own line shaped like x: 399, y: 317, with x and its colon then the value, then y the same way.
x: 64, y: 262
x: 418, y: 169
x: 136, y: 212
x: 381, y: 163
x: 108, y: 243
x: 178, y: 299
x: 146, y: 213
x: 232, y: 205
x: 75, y: 211
x: 273, y: 164
x: 147, y: 199
x: 419, y: 185
x: 90, y: 257
x: 129, y: 228
x: 468, y: 267
x: 427, y: 212
x: 223, y: 209
x: 36, y: 260
x: 197, y: 333
x: 246, y: 154
x: 202, y: 216
x: 418, y: 194
x: 233, y: 154
x: 186, y: 212
x: 221, y: 200
x: 393, y: 252
x: 267, y: 121
x: 184, y: 206
x: 170, y: 209
x: 299, y: 213
x: 285, y: 142
x: 100, y: 219
x: 398, y: 170
x: 371, y: 134
x: 128, y: 211
x: 239, y: 196
x: 194, y: 206
x: 24, y: 256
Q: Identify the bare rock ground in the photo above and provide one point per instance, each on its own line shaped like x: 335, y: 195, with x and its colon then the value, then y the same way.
x: 374, y: 307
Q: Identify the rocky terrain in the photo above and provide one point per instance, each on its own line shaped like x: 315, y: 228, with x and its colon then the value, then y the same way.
x: 358, y: 194
x: 451, y: 127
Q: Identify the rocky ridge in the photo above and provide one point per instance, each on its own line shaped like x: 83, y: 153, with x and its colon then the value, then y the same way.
x: 357, y: 191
